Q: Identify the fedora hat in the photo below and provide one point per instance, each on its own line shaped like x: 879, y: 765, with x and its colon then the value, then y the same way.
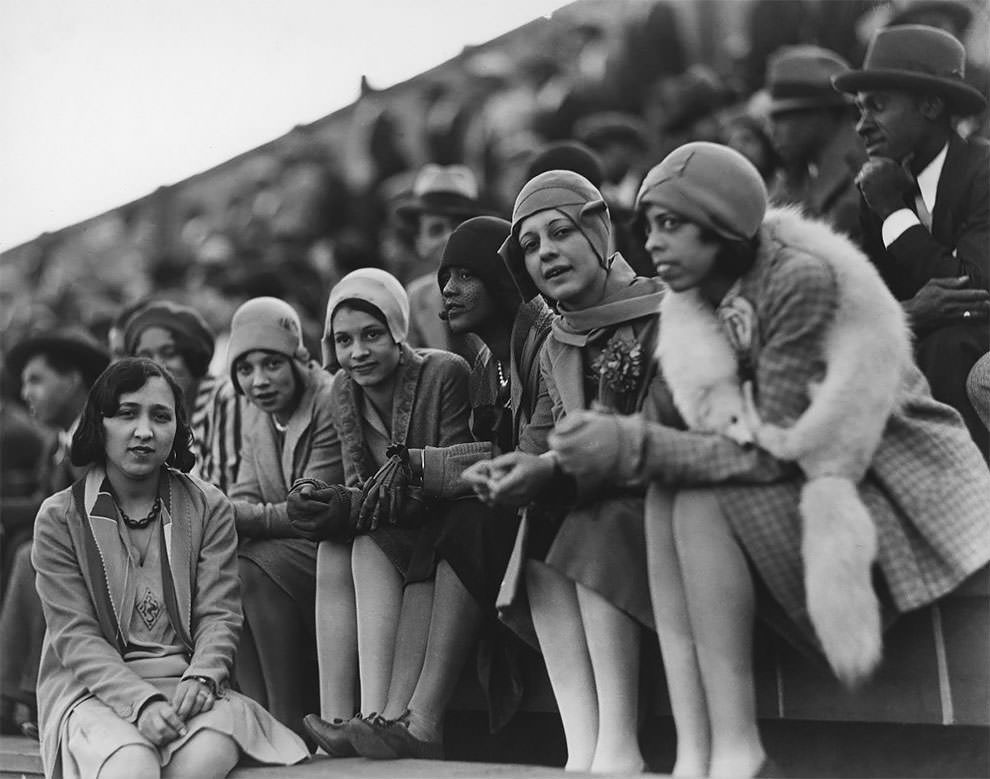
x: 73, y: 346
x: 604, y: 127
x: 800, y: 77
x: 449, y: 190
x: 917, y: 58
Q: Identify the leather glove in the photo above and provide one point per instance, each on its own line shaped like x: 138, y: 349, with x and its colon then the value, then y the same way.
x: 321, y: 514
x: 385, y: 495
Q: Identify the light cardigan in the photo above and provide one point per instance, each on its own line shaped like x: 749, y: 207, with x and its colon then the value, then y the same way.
x: 311, y: 449
x: 80, y: 654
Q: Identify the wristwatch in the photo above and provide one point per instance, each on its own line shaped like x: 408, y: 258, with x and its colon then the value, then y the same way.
x: 208, y: 683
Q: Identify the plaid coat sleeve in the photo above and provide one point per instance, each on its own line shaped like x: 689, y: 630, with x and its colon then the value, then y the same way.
x: 794, y: 297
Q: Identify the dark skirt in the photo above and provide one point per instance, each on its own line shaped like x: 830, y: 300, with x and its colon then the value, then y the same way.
x: 476, y: 541
x: 602, y: 546
x: 291, y: 564
x: 410, y: 550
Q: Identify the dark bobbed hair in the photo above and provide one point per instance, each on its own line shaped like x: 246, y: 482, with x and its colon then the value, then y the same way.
x: 127, y: 375
x: 357, y: 304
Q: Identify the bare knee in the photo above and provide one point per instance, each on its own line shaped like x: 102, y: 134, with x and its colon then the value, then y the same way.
x: 134, y: 761
x: 208, y: 754
x: 333, y: 565
x: 696, y: 516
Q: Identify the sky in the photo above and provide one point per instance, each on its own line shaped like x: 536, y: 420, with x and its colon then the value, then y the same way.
x: 102, y: 101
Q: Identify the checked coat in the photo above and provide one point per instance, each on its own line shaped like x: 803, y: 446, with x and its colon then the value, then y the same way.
x: 927, y: 488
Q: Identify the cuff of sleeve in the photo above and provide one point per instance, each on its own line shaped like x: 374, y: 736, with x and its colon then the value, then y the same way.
x: 629, y: 463
x: 896, y: 224
x: 144, y: 704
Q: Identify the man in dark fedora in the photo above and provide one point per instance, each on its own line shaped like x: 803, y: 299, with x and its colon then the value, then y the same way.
x: 443, y: 196
x: 926, y: 200
x: 814, y: 132
x: 56, y: 371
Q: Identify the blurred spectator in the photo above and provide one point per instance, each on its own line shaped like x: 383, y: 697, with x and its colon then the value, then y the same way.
x: 621, y: 143
x: 177, y: 338
x: 651, y: 49
x: 814, y: 132
x: 55, y: 371
x: 749, y: 134
x: 442, y: 198
x: 685, y: 108
x: 772, y: 24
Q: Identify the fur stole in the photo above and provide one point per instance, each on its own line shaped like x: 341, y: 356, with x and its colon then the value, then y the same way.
x: 867, y: 348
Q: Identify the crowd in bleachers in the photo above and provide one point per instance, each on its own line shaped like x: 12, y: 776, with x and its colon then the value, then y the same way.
x: 439, y: 429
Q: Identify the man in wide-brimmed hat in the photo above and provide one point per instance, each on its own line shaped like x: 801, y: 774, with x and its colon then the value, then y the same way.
x: 814, y: 132
x: 443, y: 196
x: 55, y: 371
x: 926, y: 199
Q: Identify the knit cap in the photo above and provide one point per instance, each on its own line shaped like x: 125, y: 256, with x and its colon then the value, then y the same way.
x: 186, y: 325
x: 569, y: 193
x: 377, y: 287
x: 269, y: 324
x: 711, y: 185
x: 474, y: 245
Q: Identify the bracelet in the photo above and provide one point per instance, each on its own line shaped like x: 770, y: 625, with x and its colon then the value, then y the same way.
x: 207, y: 682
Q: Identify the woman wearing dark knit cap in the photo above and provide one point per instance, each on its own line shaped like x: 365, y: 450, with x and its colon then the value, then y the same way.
x: 587, y: 593
x: 178, y: 338
x: 863, y: 498
x: 509, y: 409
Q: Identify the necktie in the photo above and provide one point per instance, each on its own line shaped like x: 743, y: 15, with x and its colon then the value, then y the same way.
x: 921, y: 209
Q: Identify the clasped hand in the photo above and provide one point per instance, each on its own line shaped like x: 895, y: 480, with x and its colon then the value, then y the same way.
x: 385, y: 496
x: 311, y: 513
x: 162, y: 721
x: 884, y: 183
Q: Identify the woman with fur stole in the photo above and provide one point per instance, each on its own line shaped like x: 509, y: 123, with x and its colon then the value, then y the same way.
x: 863, y: 498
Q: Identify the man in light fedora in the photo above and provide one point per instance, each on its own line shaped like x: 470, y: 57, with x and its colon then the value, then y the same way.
x: 926, y: 200
x: 443, y: 196
x: 814, y: 132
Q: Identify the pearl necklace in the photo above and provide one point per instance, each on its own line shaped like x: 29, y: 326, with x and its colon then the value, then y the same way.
x: 502, y: 381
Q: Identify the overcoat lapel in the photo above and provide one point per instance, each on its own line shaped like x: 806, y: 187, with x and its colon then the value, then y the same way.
x: 568, y: 371
x: 406, y: 384
x: 947, y: 193
x: 298, y: 423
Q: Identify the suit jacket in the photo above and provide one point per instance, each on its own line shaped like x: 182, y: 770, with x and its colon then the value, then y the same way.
x: 268, y: 468
x: 80, y: 655
x: 959, y: 243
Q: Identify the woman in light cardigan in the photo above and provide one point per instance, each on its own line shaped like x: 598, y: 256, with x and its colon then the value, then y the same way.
x: 288, y: 434
x: 137, y: 572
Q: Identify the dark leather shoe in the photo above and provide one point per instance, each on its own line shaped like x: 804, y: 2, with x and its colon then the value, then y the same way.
x: 382, y: 739
x: 331, y: 736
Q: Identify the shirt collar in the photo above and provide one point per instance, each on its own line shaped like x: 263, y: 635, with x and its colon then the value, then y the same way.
x: 928, y: 179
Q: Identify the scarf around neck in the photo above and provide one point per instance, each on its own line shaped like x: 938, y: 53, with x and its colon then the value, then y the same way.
x: 627, y: 297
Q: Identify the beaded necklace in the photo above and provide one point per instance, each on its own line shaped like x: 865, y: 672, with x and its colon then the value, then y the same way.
x: 137, y: 524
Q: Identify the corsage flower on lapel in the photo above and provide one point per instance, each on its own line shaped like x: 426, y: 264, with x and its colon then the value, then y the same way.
x: 619, y: 368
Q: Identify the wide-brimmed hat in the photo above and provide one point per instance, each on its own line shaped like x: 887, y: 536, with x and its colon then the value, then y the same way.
x: 800, y: 78
x: 916, y: 58
x: 449, y: 190
x: 73, y: 346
